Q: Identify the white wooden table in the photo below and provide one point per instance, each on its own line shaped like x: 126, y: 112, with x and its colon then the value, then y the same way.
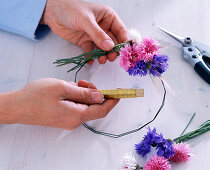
x: 41, y: 148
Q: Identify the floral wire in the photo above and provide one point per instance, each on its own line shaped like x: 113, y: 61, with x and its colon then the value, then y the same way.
x: 131, y: 131
x: 188, y: 124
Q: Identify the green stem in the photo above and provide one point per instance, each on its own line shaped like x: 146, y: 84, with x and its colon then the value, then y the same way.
x: 188, y: 124
x: 202, y: 129
x: 88, y: 56
x: 138, y: 167
x: 84, y: 58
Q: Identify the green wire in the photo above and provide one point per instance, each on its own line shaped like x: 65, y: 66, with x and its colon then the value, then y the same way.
x: 131, y: 131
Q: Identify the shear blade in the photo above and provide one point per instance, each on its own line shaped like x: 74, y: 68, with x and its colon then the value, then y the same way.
x: 178, y: 38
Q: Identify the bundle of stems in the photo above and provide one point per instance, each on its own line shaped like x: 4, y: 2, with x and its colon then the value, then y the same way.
x: 202, y: 129
x: 84, y: 58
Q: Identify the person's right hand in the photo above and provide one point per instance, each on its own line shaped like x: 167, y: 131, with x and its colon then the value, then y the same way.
x: 56, y: 103
x: 86, y: 24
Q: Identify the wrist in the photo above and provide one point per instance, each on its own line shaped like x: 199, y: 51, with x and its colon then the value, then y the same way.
x: 44, y: 19
x: 8, y: 108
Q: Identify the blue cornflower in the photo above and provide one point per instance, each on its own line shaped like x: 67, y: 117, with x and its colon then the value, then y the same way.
x: 142, y: 148
x: 165, y: 149
x: 152, y: 138
x: 139, y: 69
x: 159, y: 65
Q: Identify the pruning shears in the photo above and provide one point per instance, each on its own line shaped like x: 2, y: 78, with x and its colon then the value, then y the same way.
x: 196, y: 53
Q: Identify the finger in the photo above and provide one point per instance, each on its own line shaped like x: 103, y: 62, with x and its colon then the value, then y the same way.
x: 88, y: 46
x: 119, y: 30
x: 112, y: 56
x: 102, y: 59
x: 107, y: 19
x: 82, y: 95
x: 86, y: 84
x: 73, y: 83
x: 113, y: 37
x: 71, y: 114
x: 99, y: 37
x: 100, y: 110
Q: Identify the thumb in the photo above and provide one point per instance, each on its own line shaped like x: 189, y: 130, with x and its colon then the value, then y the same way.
x: 100, y: 38
x: 83, y: 95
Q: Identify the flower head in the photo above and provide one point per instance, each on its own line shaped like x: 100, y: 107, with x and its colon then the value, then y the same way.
x: 151, y: 139
x: 165, y: 149
x: 148, y: 48
x: 157, y: 163
x: 128, y: 162
x: 135, y: 35
x: 129, y: 54
x: 159, y: 65
x: 182, y: 153
x: 138, y: 69
x: 142, y: 56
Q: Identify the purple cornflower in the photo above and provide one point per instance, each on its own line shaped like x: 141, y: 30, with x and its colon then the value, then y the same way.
x: 150, y: 139
x: 139, y: 68
x: 142, y: 148
x: 153, y: 139
x: 165, y: 149
x: 159, y: 65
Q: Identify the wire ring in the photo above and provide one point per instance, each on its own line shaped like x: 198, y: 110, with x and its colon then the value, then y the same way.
x: 131, y: 131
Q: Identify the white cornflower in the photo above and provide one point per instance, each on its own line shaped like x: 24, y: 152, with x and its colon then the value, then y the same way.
x: 135, y: 35
x: 128, y: 162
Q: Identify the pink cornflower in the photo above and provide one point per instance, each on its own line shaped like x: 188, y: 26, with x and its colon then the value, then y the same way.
x: 129, y: 55
x: 182, y: 153
x: 157, y: 163
x: 148, y: 48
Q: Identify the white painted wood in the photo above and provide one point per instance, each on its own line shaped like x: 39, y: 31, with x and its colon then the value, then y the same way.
x: 41, y: 148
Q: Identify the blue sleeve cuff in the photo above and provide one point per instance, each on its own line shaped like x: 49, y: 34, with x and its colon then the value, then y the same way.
x: 41, y: 31
x: 22, y: 17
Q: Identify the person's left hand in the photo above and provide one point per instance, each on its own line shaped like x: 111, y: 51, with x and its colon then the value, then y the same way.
x: 85, y: 24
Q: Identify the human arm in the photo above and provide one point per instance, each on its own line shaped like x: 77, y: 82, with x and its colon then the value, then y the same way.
x: 55, y: 103
x: 86, y: 24
x: 22, y: 17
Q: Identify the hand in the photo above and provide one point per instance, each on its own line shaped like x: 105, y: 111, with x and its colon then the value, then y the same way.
x: 85, y: 24
x: 56, y: 103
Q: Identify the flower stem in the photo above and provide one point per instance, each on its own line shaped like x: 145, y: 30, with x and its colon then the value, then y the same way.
x: 202, y: 129
x: 138, y: 167
x: 188, y: 124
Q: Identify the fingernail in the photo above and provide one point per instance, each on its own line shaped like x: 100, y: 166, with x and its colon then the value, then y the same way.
x: 97, y: 97
x: 108, y: 45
